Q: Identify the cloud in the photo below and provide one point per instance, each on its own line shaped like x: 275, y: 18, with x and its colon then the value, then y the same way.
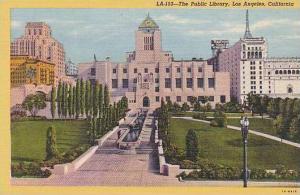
x: 289, y: 37
x: 169, y: 18
x: 269, y: 23
x: 236, y: 29
x: 16, y: 24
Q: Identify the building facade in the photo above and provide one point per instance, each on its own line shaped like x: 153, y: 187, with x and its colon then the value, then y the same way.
x: 25, y: 70
x: 150, y: 74
x: 37, y: 42
x: 71, y: 68
x: 252, y: 71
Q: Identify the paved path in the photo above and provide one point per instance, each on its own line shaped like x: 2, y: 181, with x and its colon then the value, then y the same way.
x: 250, y: 131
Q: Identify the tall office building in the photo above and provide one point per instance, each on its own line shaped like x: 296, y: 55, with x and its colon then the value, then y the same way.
x: 37, y: 42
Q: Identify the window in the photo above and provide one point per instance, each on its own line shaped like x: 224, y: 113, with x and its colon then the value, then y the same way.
x: 125, y: 83
x: 211, y: 82
x: 156, y: 70
x: 114, y: 71
x: 200, y: 82
x: 189, y: 82
x: 189, y: 98
x: 178, y: 69
x: 157, y: 98
x: 167, y: 70
x: 178, y: 83
x: 156, y: 80
x: 93, y: 71
x: 189, y: 69
x: 167, y: 83
x: 114, y: 83
x: 156, y: 89
x: 124, y: 70
x: 146, y: 70
x: 168, y: 98
x: 135, y: 70
x: 178, y: 98
x: 211, y: 98
x: 222, y: 98
x: 200, y: 69
x: 135, y: 80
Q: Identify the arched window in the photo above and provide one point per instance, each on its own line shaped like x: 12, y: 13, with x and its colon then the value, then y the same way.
x: 289, y: 71
x: 276, y: 72
x: 280, y: 71
x: 298, y: 72
x: 284, y: 72
x: 293, y: 72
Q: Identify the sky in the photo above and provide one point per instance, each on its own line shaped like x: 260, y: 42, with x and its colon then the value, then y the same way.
x: 185, y: 32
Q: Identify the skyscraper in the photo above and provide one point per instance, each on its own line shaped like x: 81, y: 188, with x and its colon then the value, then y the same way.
x: 37, y: 42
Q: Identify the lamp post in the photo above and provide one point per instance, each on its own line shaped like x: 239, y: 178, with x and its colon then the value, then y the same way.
x: 244, y: 129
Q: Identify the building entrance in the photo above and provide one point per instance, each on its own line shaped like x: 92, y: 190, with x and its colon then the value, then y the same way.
x: 146, y: 102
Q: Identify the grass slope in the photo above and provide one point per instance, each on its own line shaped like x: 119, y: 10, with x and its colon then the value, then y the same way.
x: 258, y: 124
x: 224, y: 146
x: 29, y: 138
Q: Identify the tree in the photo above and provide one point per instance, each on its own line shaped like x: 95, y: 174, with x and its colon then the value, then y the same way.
x: 219, y: 118
x: 264, y: 102
x: 100, y: 101
x: 106, y: 98
x: 74, y: 101
x: 95, y: 99
x: 58, y: 99
x: 185, y: 107
x: 295, y: 128
x: 77, y: 108
x: 82, y: 97
x: 192, y: 145
x: 193, y: 100
x: 65, y: 100
x: 273, y: 107
x: 70, y: 101
x: 87, y: 98
x: 53, y: 101
x: 51, y: 149
x: 33, y: 103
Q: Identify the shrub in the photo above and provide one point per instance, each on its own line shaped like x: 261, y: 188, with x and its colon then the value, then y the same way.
x: 187, y: 164
x: 192, y: 145
x: 201, y: 116
x: 51, y: 149
x: 32, y: 169
x: 185, y: 107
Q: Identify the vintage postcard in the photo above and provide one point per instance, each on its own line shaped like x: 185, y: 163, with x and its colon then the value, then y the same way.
x: 139, y: 97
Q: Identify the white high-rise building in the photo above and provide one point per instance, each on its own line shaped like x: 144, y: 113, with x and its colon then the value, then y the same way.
x: 252, y: 71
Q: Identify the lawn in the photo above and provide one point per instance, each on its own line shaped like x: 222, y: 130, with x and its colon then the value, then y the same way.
x: 210, y: 114
x: 29, y: 138
x: 258, y: 124
x: 224, y: 146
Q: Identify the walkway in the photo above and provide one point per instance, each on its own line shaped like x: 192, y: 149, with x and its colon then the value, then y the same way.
x: 250, y: 131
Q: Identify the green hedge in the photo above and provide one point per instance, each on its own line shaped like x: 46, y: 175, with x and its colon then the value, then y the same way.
x: 32, y: 169
x: 205, y: 169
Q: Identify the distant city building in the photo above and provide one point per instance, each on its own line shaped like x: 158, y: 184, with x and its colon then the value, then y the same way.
x: 25, y: 70
x: 71, y: 68
x: 37, y: 42
x: 252, y: 71
x: 150, y: 74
